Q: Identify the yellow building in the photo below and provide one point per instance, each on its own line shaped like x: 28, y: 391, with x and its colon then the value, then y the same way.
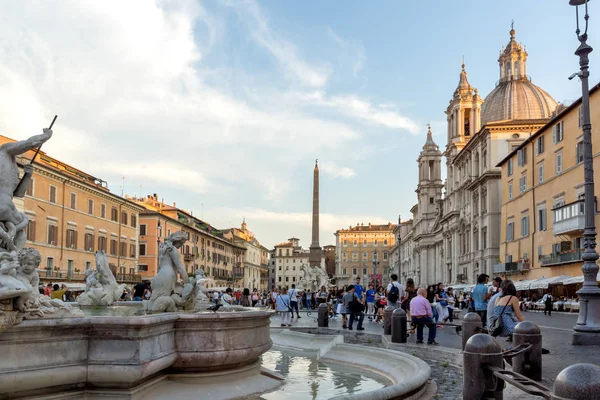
x: 542, y: 198
x: 73, y: 214
x: 363, y: 251
x: 206, y: 248
x: 256, y: 257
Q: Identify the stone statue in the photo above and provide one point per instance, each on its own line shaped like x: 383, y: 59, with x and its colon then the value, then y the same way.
x: 314, y: 278
x: 168, y: 293
x: 101, y: 287
x: 30, y: 303
x: 13, y: 222
x: 202, y: 300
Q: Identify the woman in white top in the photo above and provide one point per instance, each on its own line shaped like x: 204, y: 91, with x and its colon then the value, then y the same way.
x: 283, y: 306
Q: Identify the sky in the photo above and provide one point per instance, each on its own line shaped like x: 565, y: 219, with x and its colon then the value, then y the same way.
x: 223, y: 106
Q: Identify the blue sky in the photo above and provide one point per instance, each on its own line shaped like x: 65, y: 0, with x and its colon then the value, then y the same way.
x: 223, y: 106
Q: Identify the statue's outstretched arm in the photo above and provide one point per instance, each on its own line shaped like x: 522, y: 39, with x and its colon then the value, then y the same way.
x: 23, y: 146
x: 177, y: 261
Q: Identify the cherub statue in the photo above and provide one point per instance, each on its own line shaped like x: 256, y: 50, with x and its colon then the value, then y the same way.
x: 10, y: 286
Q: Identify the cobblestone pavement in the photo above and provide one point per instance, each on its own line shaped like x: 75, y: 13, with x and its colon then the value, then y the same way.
x: 556, y: 330
x: 449, y: 380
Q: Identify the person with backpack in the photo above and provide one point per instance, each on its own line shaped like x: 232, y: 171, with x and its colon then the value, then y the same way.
x: 395, y: 292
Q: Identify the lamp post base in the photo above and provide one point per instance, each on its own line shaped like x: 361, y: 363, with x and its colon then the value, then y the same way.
x: 587, y: 330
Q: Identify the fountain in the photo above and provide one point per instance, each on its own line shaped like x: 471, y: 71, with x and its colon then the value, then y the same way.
x: 175, y: 348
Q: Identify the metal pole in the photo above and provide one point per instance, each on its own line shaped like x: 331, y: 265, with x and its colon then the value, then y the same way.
x: 587, y: 329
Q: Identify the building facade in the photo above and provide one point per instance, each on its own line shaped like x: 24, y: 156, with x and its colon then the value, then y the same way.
x: 287, y: 262
x: 455, y: 236
x: 71, y: 216
x: 543, y: 210
x: 363, y: 251
x: 206, y: 249
x: 256, y: 257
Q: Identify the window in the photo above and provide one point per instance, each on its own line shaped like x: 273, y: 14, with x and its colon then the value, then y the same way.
x: 540, y: 173
x: 579, y: 152
x: 542, y: 225
x: 143, y: 249
x: 354, y: 271
x: 355, y: 242
x: 143, y: 233
x: 365, y: 256
x: 52, y: 234
x: 73, y: 203
x: 365, y: 242
x: 539, y: 145
x: 345, y: 243
x: 385, y: 242
x: 72, y: 238
x: 123, y: 249
x: 49, y: 263
x: 113, y: 247
x: 90, y: 206
x: 375, y: 242
x: 557, y: 132
x: 134, y: 225
x: 510, y: 231
x: 144, y: 267
x: 132, y: 250
x: 558, y: 164
x: 484, y: 159
x: 431, y: 200
x: 523, y: 183
x: 31, y: 231
x: 102, y: 211
x: 525, y: 225
x: 88, y: 265
x: 123, y: 218
x: 385, y: 255
x: 484, y: 237
x: 522, y: 156
x: 52, y: 194
x: 114, y: 214
x: 375, y: 256
x: 509, y: 167
x: 510, y: 191
x: 29, y: 191
x: 102, y: 243
x: 89, y: 242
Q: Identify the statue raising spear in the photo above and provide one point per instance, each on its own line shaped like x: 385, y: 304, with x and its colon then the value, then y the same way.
x: 13, y: 222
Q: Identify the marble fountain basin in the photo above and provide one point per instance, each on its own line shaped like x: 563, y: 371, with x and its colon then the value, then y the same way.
x: 119, y: 356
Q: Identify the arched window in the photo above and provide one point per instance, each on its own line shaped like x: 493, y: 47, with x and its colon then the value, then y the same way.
x: 508, y: 72
x: 516, y: 69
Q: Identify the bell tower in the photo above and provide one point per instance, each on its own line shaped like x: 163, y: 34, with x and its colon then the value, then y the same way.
x: 463, y: 112
x: 429, y: 190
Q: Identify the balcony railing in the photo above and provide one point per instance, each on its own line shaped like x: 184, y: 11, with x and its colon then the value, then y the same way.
x: 129, y: 278
x: 510, y: 268
x: 561, y: 258
x: 569, y: 218
x: 188, y: 257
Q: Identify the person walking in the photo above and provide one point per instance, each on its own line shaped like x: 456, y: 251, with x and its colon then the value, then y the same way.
x: 370, y: 298
x: 395, y: 292
x: 547, y: 299
x: 422, y: 314
x: 293, y: 293
x: 355, y: 306
x: 480, y: 296
x: 283, y: 307
x: 507, y: 308
x: 255, y: 297
x: 497, y: 290
x: 441, y: 303
x: 451, y: 302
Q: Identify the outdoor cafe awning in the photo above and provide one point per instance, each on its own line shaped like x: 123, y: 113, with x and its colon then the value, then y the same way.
x: 522, y: 285
x: 543, y: 283
x: 577, y: 279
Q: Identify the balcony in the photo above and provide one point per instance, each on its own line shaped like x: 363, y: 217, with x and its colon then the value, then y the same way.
x: 188, y: 257
x: 511, y: 268
x: 569, y: 218
x: 565, y: 257
x: 129, y: 278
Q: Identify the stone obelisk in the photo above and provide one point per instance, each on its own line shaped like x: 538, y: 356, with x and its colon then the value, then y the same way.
x: 314, y: 258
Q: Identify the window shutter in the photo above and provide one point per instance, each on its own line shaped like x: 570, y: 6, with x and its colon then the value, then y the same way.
x: 554, y: 134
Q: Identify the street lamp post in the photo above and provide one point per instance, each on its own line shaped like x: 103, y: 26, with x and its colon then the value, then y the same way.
x: 587, y: 328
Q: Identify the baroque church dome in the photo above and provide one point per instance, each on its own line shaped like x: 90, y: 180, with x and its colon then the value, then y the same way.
x: 515, y: 97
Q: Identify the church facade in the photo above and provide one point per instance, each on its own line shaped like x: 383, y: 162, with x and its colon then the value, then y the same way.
x: 454, y: 233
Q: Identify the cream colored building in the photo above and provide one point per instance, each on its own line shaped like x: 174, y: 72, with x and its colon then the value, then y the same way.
x: 71, y: 216
x: 363, y: 251
x: 543, y: 211
x: 286, y: 261
x: 256, y: 257
x: 455, y: 235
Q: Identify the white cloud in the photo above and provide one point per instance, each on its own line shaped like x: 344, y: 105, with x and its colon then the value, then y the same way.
x: 332, y: 169
x: 284, y: 51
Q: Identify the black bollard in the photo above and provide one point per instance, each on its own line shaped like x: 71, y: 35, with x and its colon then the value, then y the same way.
x: 478, y: 381
x: 323, y: 316
x: 470, y: 325
x: 577, y: 382
x: 529, y: 363
x: 387, y: 320
x: 399, y: 326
